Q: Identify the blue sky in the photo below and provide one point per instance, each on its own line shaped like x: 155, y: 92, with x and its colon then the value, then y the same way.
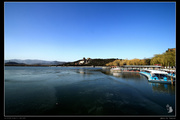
x: 69, y: 31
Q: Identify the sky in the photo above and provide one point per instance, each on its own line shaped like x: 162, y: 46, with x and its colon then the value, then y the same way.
x: 69, y: 31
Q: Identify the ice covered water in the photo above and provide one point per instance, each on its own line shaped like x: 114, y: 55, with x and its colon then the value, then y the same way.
x: 83, y: 91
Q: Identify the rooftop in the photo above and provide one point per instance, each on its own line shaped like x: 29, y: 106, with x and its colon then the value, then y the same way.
x: 157, y: 71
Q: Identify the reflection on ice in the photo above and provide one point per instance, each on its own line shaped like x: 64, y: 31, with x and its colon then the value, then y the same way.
x: 82, y: 71
x: 117, y: 74
x: 162, y: 88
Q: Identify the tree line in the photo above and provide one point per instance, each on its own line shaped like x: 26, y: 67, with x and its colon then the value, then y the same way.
x: 121, y: 62
x: 165, y: 59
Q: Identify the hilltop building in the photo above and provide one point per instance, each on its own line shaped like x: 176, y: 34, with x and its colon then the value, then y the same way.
x: 88, y: 60
x: 84, y: 61
x: 81, y: 62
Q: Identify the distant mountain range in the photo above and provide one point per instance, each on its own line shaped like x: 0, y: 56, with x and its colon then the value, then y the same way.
x: 33, y: 62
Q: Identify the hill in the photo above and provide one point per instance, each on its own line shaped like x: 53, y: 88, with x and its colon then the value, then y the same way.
x: 13, y: 64
x: 89, y: 62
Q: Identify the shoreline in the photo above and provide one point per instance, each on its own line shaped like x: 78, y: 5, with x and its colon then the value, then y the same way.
x: 51, y: 66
